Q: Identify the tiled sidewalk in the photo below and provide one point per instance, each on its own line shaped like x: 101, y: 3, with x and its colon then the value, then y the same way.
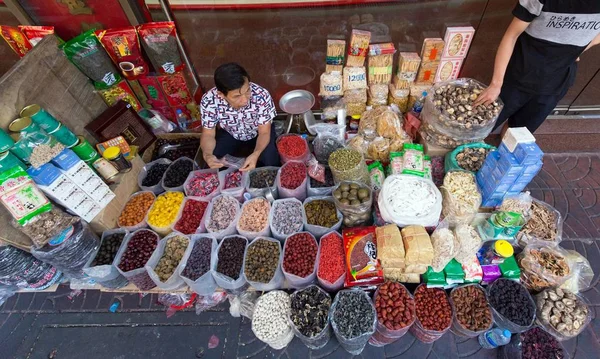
x: 51, y: 325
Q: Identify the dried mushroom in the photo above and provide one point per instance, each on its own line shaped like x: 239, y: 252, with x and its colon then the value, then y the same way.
x: 542, y: 225
x: 471, y: 159
x: 563, y: 311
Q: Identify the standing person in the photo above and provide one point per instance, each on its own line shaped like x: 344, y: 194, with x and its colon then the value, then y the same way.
x: 536, y: 62
x: 244, y: 112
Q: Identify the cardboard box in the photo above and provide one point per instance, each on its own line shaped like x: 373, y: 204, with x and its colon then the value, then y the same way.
x: 457, y: 41
x: 449, y: 69
x: 432, y: 50
x: 427, y: 73
x: 128, y: 184
x: 147, y: 156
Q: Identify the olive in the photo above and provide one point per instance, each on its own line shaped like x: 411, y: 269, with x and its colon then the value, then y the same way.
x: 354, y: 202
x: 345, y: 201
x: 345, y: 187
x: 345, y: 194
x: 352, y: 197
x: 354, y: 186
x: 365, y: 200
x: 363, y: 193
x: 353, y: 191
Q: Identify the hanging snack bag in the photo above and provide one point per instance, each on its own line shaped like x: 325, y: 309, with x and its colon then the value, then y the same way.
x: 160, y: 43
x: 16, y: 40
x: 86, y: 52
x: 121, y: 91
x: 362, y: 266
x: 35, y: 34
x: 123, y: 46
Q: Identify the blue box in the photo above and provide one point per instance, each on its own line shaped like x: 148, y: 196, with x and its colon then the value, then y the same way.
x: 503, y: 150
x: 45, y: 174
x: 528, y: 153
x: 492, y: 202
x: 517, y: 187
x: 506, y: 177
x: 507, y: 162
x: 533, y: 168
x: 66, y: 159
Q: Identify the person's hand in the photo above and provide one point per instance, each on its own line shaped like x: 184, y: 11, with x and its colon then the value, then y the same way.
x: 488, y: 95
x: 250, y: 162
x: 213, y: 162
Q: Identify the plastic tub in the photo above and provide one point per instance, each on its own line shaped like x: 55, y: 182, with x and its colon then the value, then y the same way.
x: 205, y: 284
x: 138, y: 276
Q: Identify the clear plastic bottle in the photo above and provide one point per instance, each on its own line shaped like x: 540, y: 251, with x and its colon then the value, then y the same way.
x: 494, y: 338
x: 182, y: 120
x: 418, y: 106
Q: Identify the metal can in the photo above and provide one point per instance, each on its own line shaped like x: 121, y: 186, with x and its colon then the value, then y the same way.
x: 23, y: 124
x: 20, y: 149
x: 40, y: 116
x: 114, y: 155
x: 64, y: 136
x: 6, y: 141
x: 8, y: 161
x: 105, y: 168
x: 84, y: 150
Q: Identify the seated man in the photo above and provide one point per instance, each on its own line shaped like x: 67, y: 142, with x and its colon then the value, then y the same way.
x: 244, y: 112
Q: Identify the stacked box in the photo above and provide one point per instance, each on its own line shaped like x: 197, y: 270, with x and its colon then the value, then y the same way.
x: 431, y: 54
x: 456, y: 46
x: 508, y: 173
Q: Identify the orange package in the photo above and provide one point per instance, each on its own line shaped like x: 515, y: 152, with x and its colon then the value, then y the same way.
x: 16, y: 40
x: 362, y: 266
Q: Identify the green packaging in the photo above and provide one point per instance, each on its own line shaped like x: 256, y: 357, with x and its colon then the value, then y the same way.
x: 377, y: 175
x: 86, y: 52
x: 21, y: 197
x: 454, y: 272
x: 434, y: 279
x: 510, y: 269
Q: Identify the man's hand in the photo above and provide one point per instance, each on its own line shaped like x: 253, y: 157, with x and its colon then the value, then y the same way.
x: 250, y: 162
x: 488, y: 95
x: 213, y: 162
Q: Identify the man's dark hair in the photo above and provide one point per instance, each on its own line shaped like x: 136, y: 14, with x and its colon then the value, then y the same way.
x: 229, y: 77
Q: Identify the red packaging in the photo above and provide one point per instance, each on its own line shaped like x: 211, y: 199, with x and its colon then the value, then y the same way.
x: 35, y: 34
x: 151, y: 86
x: 16, y: 40
x: 362, y: 266
x: 193, y: 113
x: 159, y: 40
x: 123, y: 47
x: 167, y: 112
x: 175, y: 89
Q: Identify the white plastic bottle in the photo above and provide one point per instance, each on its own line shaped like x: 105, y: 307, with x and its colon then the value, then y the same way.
x: 494, y: 338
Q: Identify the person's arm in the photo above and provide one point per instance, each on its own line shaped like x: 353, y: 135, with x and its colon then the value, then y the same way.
x: 505, y: 50
x: 262, y: 141
x: 207, y: 144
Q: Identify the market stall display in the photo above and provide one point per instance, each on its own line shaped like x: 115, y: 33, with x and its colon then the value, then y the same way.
x: 204, y: 184
x: 22, y: 270
x: 177, y: 173
x: 472, y: 314
x: 261, y: 180
x: 512, y: 305
x: 407, y: 199
x: 291, y: 180
x: 354, y: 200
x: 543, y: 267
x: 299, y: 263
x: 230, y: 260
x: 253, y: 221
x: 543, y: 226
x: 460, y: 197
x: 136, y: 249
x: 191, y: 217
x: 287, y: 217
x: 151, y: 175
x: 469, y: 157
x: 331, y: 271
x: 534, y: 343
x: 348, y: 165
x: 222, y: 215
x: 321, y: 216
x: 200, y: 259
x: 164, y: 212
x: 102, y: 270
x: 262, y: 268
x: 562, y: 313
x: 166, y: 263
x: 433, y: 312
x: 270, y: 321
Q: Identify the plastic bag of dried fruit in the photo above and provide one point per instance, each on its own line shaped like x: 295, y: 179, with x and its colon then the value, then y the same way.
x: 543, y: 266
x: 445, y: 245
x: 460, y: 198
x: 582, y: 273
x: 544, y: 226
x: 562, y: 313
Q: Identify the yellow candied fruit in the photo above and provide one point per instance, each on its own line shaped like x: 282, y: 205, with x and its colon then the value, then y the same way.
x: 165, y: 209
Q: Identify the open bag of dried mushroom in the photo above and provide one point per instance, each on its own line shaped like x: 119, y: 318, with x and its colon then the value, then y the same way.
x: 544, y: 225
x: 380, y: 132
x: 449, y: 110
x: 562, y: 313
x: 461, y: 198
x: 543, y: 267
